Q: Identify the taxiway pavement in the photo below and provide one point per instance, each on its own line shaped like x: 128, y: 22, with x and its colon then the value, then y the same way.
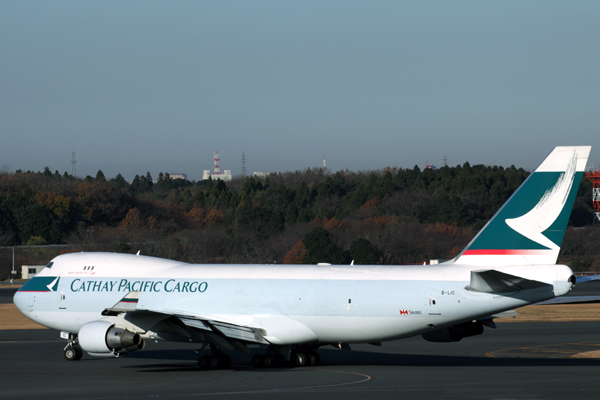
x: 515, y: 361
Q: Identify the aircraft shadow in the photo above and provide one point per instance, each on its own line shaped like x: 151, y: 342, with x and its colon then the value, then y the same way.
x: 331, y: 358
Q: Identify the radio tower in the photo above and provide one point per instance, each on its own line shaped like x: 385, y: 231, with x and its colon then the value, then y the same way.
x: 217, y: 159
x: 594, y: 177
x: 73, y: 171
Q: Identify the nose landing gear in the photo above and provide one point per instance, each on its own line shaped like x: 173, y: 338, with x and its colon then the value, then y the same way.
x: 73, y: 351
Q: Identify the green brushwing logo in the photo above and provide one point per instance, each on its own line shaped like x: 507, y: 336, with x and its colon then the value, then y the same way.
x: 536, y: 216
x: 41, y: 284
x: 541, y: 217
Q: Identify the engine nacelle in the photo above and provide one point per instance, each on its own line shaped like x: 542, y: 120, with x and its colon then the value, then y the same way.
x: 103, y: 338
x: 454, y: 333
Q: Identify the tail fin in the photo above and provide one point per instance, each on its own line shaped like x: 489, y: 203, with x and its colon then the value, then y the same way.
x: 529, y: 228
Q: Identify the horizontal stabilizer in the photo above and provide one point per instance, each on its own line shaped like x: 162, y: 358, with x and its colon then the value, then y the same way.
x: 492, y: 281
x: 588, y: 278
x: 570, y: 300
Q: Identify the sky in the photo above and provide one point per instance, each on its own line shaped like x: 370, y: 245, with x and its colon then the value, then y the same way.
x: 159, y: 86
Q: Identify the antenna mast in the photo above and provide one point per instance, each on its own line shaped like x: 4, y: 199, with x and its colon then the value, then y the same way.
x: 73, y: 170
x: 243, y: 164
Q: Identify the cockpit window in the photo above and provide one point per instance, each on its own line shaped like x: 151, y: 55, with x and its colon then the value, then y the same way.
x: 50, y: 264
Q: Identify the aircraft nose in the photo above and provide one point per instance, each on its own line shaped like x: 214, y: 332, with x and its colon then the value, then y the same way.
x: 22, y: 301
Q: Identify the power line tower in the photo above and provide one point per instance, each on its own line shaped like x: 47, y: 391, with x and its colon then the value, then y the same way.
x: 73, y: 170
x: 243, y: 164
x: 594, y: 177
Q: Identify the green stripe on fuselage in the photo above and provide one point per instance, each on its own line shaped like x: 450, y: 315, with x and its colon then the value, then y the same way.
x: 498, y: 235
x: 38, y: 284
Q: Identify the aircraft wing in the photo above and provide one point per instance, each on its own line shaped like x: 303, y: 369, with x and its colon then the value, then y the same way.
x: 224, y: 333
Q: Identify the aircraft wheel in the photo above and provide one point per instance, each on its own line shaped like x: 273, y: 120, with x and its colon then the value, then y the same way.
x: 300, y: 360
x: 257, y: 361
x: 203, y: 361
x: 269, y: 360
x: 79, y: 352
x: 71, y: 353
x: 315, y: 358
x: 214, y: 361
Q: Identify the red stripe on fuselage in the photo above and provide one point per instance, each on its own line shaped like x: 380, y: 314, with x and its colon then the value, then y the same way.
x: 35, y: 291
x: 497, y: 252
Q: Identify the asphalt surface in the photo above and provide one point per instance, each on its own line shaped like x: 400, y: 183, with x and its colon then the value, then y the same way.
x: 515, y: 361
x: 6, y: 295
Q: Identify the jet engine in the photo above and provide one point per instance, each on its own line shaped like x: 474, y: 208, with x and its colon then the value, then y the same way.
x: 103, y: 338
x: 454, y: 333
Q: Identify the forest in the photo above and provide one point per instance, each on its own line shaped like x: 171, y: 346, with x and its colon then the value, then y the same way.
x: 388, y: 216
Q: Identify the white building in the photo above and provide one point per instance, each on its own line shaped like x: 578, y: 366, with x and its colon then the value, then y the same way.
x: 178, y: 176
x: 224, y: 176
x: 29, y: 271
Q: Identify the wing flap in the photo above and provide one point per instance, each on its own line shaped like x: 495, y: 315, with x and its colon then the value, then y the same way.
x: 222, y: 328
x: 247, y: 334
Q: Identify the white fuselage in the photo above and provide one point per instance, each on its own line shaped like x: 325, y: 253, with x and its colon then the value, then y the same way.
x: 291, y: 304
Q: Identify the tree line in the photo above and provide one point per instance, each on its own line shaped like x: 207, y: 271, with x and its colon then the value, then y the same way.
x: 389, y: 216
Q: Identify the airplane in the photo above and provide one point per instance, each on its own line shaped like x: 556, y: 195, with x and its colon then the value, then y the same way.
x: 110, y: 304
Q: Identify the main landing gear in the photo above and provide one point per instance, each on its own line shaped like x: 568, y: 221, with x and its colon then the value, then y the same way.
x: 215, y: 360
x: 278, y: 357
x: 275, y: 357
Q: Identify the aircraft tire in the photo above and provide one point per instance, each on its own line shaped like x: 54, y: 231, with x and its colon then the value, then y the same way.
x: 257, y: 361
x: 269, y: 360
x: 214, y: 362
x: 79, y: 352
x: 300, y: 359
x: 71, y: 354
x: 203, y: 361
